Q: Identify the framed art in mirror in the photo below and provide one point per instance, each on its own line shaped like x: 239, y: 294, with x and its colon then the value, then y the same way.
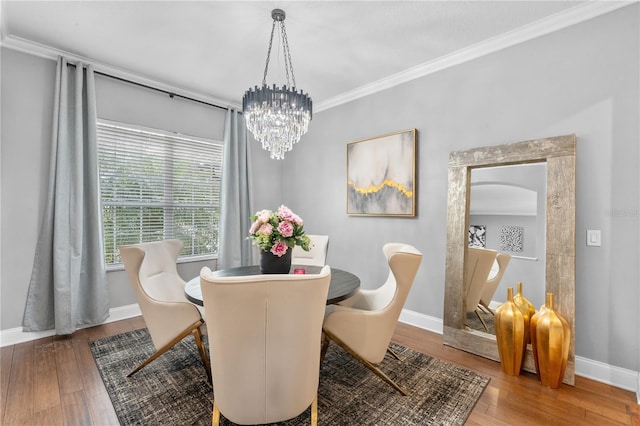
x: 381, y: 175
x: 559, y: 154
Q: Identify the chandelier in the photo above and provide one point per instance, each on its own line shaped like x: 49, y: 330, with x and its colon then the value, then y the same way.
x: 277, y: 116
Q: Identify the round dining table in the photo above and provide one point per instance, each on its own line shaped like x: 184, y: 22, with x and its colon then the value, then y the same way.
x: 343, y: 284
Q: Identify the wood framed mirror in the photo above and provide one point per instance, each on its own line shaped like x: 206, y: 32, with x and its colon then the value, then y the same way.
x: 559, y: 154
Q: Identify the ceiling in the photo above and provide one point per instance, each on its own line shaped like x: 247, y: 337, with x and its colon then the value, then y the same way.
x: 340, y: 49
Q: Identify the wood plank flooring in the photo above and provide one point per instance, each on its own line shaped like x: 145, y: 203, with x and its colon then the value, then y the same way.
x: 54, y: 381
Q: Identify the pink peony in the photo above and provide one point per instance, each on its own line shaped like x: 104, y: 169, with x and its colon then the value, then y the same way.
x: 263, y: 215
x: 285, y: 213
x: 279, y: 248
x: 285, y: 229
x: 297, y: 220
x: 255, y: 226
x: 266, y: 229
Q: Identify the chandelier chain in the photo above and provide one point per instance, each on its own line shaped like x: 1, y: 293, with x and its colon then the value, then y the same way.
x: 266, y: 67
x: 287, y: 52
x: 288, y: 64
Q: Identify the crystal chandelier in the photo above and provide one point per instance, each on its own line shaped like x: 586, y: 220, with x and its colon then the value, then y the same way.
x: 277, y: 116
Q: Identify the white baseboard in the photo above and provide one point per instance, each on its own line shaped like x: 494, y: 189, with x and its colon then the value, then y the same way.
x: 422, y: 321
x: 609, y: 374
x: 594, y: 370
x: 14, y: 336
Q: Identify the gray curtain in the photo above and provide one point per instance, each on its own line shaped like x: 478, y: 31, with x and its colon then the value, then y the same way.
x: 68, y: 280
x: 234, y: 249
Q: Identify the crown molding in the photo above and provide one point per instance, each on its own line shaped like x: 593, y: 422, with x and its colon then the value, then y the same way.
x: 41, y: 50
x: 558, y: 21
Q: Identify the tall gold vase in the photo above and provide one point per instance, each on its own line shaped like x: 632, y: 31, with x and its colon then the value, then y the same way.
x: 550, y: 338
x: 532, y: 336
x: 528, y: 310
x: 510, y: 335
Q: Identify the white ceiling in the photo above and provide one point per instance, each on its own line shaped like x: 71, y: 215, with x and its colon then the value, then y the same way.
x: 339, y: 49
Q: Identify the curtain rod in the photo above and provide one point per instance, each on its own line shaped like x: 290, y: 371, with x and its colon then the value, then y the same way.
x: 146, y: 86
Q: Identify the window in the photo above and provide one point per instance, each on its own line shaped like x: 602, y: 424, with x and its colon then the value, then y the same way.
x: 155, y: 185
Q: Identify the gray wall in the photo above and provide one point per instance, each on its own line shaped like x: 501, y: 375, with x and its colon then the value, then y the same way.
x: 27, y: 109
x: 581, y: 80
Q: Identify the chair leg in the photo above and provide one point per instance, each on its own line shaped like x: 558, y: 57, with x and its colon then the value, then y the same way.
x: 314, y: 411
x: 393, y: 354
x: 486, y: 308
x: 215, y: 417
x: 325, y: 346
x: 202, y: 351
x: 484, y: 324
x: 168, y: 346
x: 366, y: 363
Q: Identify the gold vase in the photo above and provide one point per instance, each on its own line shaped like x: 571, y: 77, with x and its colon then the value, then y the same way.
x: 528, y: 310
x: 550, y: 338
x: 510, y: 335
x: 532, y: 336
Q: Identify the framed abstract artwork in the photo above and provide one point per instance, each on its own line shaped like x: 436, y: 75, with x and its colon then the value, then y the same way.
x: 477, y: 236
x: 381, y: 175
x: 512, y: 238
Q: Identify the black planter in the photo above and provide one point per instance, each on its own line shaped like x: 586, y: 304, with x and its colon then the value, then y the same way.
x: 272, y: 264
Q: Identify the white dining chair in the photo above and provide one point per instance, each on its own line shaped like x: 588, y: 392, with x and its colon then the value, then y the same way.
x: 364, y: 323
x: 265, y: 339
x: 477, y: 265
x: 317, y: 254
x: 169, y: 316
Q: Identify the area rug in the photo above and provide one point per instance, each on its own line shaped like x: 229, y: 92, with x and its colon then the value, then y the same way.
x: 173, y: 389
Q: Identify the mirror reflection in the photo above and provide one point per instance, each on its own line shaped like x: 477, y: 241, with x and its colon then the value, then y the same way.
x: 506, y: 239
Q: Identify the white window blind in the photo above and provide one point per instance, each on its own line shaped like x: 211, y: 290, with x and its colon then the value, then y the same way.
x: 157, y: 186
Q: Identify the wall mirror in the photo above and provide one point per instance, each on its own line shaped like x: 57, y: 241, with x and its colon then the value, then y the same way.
x: 558, y: 155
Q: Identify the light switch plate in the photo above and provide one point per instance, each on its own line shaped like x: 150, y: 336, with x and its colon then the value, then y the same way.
x: 594, y: 237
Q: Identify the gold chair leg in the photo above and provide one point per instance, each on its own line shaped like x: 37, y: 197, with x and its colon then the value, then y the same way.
x: 484, y: 324
x: 314, y: 411
x: 393, y: 354
x: 215, y: 417
x: 168, y: 346
x: 366, y: 363
x: 486, y: 308
x: 202, y: 351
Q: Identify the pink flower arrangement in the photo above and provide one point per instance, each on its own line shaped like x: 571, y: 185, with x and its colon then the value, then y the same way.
x: 278, y: 231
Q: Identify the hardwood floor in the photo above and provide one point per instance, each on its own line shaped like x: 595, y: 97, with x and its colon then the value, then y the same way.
x: 54, y: 381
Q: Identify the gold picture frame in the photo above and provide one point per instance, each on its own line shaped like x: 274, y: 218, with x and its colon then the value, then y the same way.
x: 381, y: 175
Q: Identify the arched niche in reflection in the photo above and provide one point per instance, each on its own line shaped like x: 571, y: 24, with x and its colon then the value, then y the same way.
x: 559, y: 155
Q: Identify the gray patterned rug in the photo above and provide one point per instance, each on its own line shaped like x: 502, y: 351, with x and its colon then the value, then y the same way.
x: 173, y: 389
